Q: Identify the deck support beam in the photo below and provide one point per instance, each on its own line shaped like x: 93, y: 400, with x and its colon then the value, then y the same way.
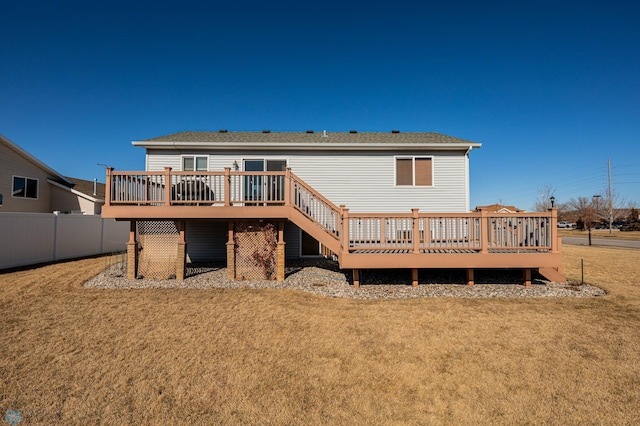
x: 356, y: 278
x: 527, y: 277
x: 181, y: 263
x: 470, y: 277
x: 132, y: 252
x: 231, y: 254
x: 280, y: 253
x: 414, y: 277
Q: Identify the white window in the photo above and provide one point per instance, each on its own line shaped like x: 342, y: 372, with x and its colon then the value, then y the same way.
x: 195, y: 163
x: 24, y: 187
x: 414, y: 171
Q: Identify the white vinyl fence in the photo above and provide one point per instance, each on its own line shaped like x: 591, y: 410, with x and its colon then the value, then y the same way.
x: 31, y: 238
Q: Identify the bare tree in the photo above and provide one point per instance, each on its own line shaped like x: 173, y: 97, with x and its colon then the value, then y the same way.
x: 584, y: 209
x: 609, y: 206
x: 543, y: 202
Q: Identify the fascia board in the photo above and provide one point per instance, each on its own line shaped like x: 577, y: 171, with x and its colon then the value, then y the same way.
x: 246, y: 146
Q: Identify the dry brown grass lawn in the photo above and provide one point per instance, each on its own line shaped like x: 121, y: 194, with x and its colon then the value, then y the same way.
x: 74, y: 355
x: 601, y: 233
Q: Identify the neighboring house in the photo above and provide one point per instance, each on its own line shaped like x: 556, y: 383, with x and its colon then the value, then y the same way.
x: 28, y: 185
x: 85, y: 197
x: 499, y: 208
x: 361, y: 196
x: 25, y: 180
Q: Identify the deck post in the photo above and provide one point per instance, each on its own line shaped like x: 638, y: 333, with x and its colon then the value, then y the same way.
x: 345, y: 229
x: 416, y: 232
x: 356, y: 278
x: 181, y: 265
x: 107, y: 187
x: 167, y: 186
x: 414, y: 277
x: 484, y: 231
x: 527, y: 277
x: 287, y: 186
x: 470, y: 277
x: 231, y: 254
x: 132, y: 252
x: 554, y: 230
x: 227, y: 186
x: 280, y: 252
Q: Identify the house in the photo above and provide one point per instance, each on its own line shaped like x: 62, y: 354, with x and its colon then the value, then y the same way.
x: 85, y: 197
x: 499, y: 208
x: 28, y: 185
x: 255, y: 199
x: 24, y: 180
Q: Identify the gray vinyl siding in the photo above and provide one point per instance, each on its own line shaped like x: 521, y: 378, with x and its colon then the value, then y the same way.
x: 206, y: 241
x: 292, y: 240
x: 362, y: 181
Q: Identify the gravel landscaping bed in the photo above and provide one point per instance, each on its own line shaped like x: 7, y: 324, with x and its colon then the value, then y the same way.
x: 323, y: 277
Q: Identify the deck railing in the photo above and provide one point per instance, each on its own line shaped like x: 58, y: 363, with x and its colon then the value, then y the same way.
x: 413, y: 232
x: 475, y: 231
x: 314, y: 206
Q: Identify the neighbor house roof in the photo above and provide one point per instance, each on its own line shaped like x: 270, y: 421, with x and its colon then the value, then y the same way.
x: 499, y: 208
x: 58, y: 177
x: 87, y: 187
x: 307, y: 140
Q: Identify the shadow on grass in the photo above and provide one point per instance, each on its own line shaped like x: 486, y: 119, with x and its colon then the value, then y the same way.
x: 388, y: 276
x: 443, y: 276
x: 199, y: 268
x: 425, y: 276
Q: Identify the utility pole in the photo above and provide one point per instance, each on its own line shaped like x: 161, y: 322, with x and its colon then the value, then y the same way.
x: 610, y: 201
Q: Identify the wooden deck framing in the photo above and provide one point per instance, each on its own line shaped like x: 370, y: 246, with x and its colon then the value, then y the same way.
x: 412, y: 240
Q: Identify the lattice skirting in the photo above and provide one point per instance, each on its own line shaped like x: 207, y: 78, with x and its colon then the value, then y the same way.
x: 256, y: 250
x: 158, y: 256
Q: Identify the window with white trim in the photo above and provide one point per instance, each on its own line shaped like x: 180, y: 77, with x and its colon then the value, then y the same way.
x: 414, y: 171
x: 195, y: 163
x: 24, y: 187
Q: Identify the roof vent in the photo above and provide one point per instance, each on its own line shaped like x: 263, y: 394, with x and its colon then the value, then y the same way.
x: 309, y: 131
x: 266, y: 131
x: 395, y: 131
x: 353, y: 131
x: 324, y: 134
x: 222, y: 131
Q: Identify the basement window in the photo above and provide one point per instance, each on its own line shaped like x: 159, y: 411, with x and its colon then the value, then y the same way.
x: 24, y: 187
x: 414, y: 171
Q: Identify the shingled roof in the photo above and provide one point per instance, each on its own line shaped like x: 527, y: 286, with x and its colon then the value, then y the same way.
x: 307, y: 139
x: 87, y: 186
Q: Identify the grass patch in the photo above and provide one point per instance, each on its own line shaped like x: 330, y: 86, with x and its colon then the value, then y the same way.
x: 601, y: 233
x: 76, y: 355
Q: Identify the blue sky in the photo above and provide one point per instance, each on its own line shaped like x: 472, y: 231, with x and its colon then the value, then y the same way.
x: 551, y: 89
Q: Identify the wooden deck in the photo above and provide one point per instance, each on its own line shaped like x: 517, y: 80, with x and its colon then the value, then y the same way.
x: 474, y: 240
